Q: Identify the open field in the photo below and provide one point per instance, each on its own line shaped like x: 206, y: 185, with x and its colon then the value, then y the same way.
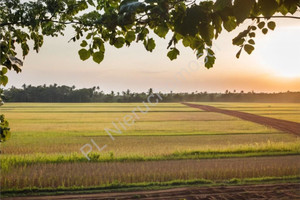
x: 279, y: 124
x: 64, y: 128
x: 290, y: 111
x: 168, y: 142
x: 53, y: 175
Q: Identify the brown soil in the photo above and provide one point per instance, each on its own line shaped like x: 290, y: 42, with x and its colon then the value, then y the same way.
x: 282, y: 125
x: 271, y: 191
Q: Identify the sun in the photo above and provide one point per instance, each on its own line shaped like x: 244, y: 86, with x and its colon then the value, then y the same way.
x: 279, y: 52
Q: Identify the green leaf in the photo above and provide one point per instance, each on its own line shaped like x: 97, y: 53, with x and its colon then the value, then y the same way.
x: 177, y: 37
x: 253, y: 28
x: 264, y: 30
x: 209, y: 61
x: 173, y: 53
x: 217, y: 23
x: 221, y: 4
x: 83, y: 43
x: 98, y: 43
x: 199, y: 53
x: 91, y: 2
x: 230, y: 24
x: 186, y: 41
x: 207, y: 33
x: 197, y: 43
x: 25, y: 49
x: 98, y: 56
x: 291, y: 5
x: 283, y: 10
x: 268, y: 7
x: 261, y: 25
x: 4, y: 70
x: 293, y: 9
x: 130, y: 36
x: 210, y: 52
x: 89, y: 35
x: 238, y: 40
x: 131, y: 6
x: 149, y: 44
x: 249, y: 48
x: 190, y: 22
x: 251, y: 41
x: 239, y: 53
x: 242, y: 9
x: 119, y: 42
x: 84, y: 54
x: 3, y: 80
x: 252, y: 34
x: 272, y: 25
x: 162, y: 30
x: 142, y: 35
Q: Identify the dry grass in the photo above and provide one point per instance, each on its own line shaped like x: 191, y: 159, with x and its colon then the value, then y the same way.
x: 97, y: 174
x: 55, y: 130
x: 65, y: 128
x: 145, y: 145
x: 285, y: 111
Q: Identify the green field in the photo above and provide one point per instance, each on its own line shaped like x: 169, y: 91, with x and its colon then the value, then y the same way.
x: 44, y: 150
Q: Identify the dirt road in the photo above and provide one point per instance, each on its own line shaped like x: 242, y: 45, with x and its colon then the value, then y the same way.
x: 270, y: 191
x: 282, y: 125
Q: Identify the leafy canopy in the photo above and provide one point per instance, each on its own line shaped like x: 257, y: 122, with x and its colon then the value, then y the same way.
x: 120, y: 22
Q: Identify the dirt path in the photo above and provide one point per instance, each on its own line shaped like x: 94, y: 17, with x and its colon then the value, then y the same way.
x: 282, y: 125
x: 271, y: 191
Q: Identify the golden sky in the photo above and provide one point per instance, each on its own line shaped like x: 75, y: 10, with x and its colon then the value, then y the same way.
x: 273, y: 66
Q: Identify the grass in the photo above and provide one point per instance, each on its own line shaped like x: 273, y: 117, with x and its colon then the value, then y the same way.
x: 140, y: 128
x: 143, y: 145
x: 267, y: 149
x: 67, y: 132
x: 171, y: 142
x: 87, y: 174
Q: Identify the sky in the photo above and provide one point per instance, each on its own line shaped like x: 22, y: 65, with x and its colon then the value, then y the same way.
x: 274, y: 66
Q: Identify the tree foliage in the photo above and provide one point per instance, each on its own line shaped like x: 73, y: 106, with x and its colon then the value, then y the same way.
x: 4, y: 129
x: 63, y: 93
x: 120, y: 22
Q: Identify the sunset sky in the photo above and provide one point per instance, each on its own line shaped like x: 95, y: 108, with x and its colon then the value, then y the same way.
x: 274, y: 65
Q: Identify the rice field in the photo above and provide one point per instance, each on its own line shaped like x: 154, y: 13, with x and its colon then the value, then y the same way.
x: 290, y: 112
x: 56, y: 175
x: 44, y: 150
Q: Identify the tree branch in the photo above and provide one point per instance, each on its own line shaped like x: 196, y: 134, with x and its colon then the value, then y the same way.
x: 291, y: 17
x: 46, y: 20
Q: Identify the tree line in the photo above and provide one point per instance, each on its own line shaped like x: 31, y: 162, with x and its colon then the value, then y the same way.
x: 55, y: 93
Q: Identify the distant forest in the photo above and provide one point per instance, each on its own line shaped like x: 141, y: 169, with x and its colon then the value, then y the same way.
x: 55, y: 93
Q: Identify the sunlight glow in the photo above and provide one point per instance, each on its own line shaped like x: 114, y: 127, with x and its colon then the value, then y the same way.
x: 279, y: 51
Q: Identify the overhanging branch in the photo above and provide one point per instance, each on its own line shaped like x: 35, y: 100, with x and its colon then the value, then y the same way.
x: 290, y: 17
x: 42, y: 21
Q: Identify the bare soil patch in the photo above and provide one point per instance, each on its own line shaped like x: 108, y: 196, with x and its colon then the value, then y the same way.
x: 267, y: 191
